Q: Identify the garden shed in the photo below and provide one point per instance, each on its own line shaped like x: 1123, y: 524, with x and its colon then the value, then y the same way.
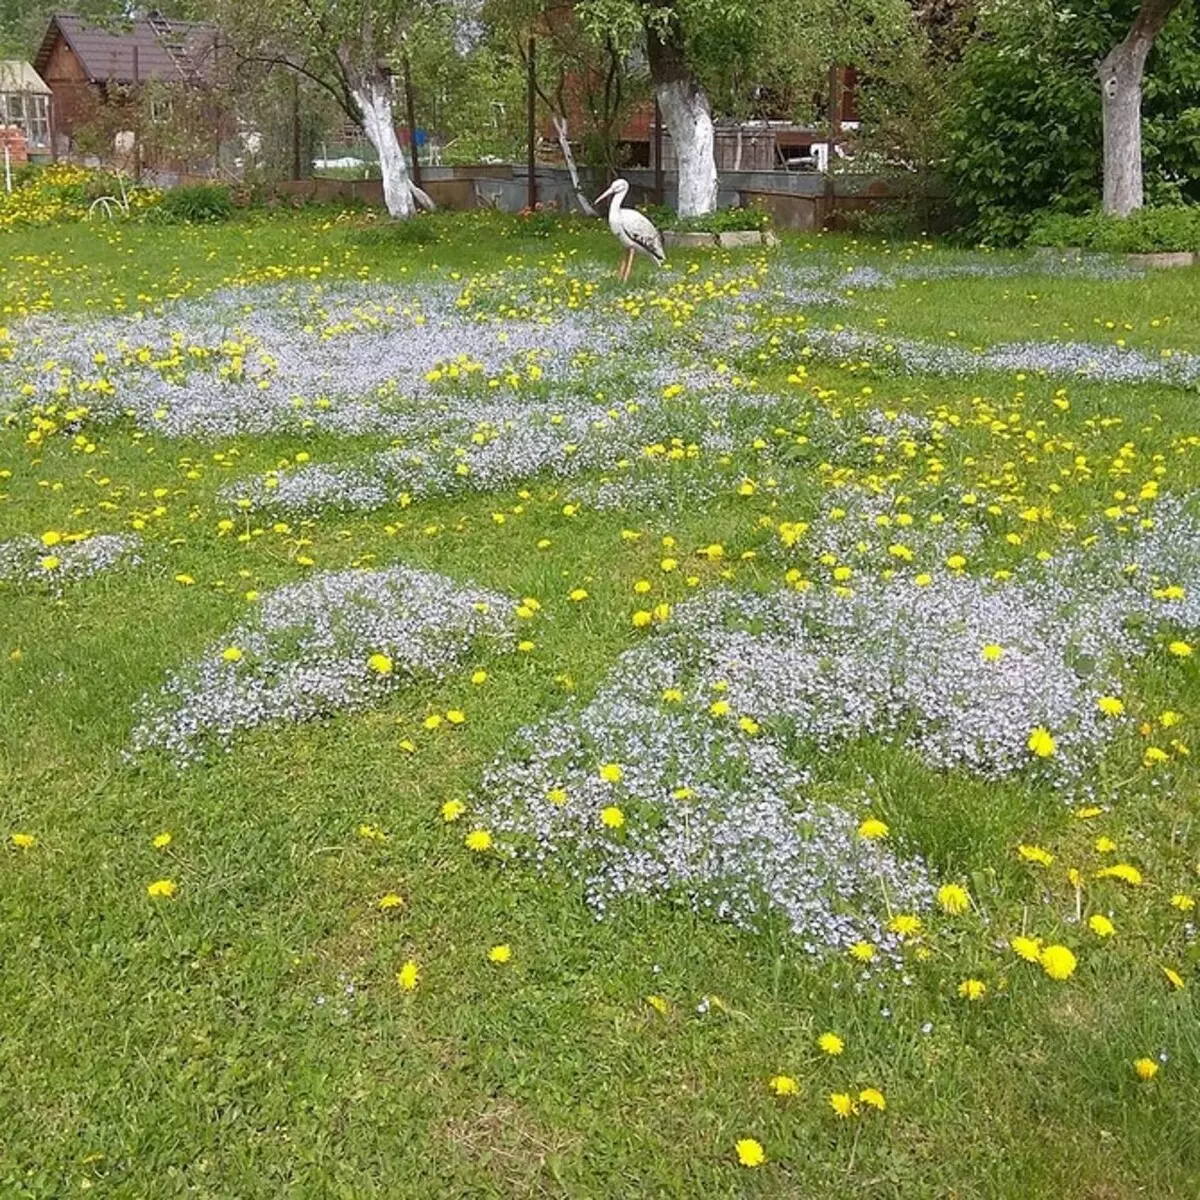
x: 25, y: 105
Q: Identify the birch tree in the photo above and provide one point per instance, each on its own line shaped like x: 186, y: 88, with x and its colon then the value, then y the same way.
x: 577, y: 78
x: 348, y: 47
x: 1121, y: 72
x: 692, y: 44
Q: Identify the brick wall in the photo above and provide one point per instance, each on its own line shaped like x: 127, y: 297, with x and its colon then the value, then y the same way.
x: 14, y: 139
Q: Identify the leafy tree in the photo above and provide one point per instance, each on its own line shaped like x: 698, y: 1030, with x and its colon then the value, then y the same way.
x: 351, y: 49
x: 1121, y: 73
x: 575, y: 74
x: 730, y: 48
x: 1024, y: 130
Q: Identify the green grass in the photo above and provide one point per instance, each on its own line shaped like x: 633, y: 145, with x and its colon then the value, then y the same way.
x: 181, y: 1048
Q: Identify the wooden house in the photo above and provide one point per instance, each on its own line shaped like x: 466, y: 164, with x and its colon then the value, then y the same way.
x: 88, y: 66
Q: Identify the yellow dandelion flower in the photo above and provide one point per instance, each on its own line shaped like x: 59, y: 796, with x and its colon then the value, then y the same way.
x: 873, y: 829
x: 863, y: 951
x: 23, y: 841
x: 750, y: 1153
x: 232, y: 654
x: 612, y: 816
x: 1041, y: 742
x: 954, y: 899
x: 452, y: 810
x: 1101, y: 926
x: 1058, y: 962
x: 905, y: 925
x: 1125, y: 872
x: 1105, y: 845
x: 1035, y: 854
x: 843, y: 1104
x: 409, y: 976
x: 1110, y: 706
x: 161, y: 840
x: 162, y: 889
x: 1030, y: 949
x: 1180, y: 649
x: 992, y: 652
x: 390, y: 901
x: 1173, y: 978
x: 660, y: 1004
x: 1145, y: 1069
x: 1183, y: 902
x: 380, y: 664
x: 500, y: 954
x: 972, y: 989
x: 783, y: 1085
x: 611, y: 773
x: 478, y: 840
x: 478, y: 677
x: 831, y: 1044
x: 873, y: 1098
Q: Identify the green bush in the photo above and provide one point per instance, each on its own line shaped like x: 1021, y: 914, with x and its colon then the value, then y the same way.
x: 1146, y: 231
x: 538, y: 223
x: 203, y: 203
x: 1023, y: 127
x: 724, y: 220
x: 415, y: 231
x: 895, y: 221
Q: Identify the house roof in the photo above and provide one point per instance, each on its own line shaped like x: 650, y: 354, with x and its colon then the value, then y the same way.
x: 170, y: 51
x: 18, y: 76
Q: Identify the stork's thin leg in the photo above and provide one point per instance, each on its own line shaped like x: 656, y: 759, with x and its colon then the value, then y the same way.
x: 628, y: 263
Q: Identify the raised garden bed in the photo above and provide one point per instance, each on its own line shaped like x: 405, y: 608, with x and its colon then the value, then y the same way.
x: 731, y: 239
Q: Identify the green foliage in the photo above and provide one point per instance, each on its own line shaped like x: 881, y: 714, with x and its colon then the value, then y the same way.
x: 892, y: 222
x: 1024, y: 128
x: 723, y: 220
x: 422, y: 230
x: 200, y: 204
x: 1145, y: 231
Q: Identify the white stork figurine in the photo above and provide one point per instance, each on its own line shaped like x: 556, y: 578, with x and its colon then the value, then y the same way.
x: 631, y: 229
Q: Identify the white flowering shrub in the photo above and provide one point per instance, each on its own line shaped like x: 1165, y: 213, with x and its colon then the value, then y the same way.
x: 28, y: 559
x: 337, y: 641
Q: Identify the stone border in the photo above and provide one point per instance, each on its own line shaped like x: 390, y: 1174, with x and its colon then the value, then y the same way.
x: 1168, y: 258
x: 1161, y: 258
x: 735, y: 239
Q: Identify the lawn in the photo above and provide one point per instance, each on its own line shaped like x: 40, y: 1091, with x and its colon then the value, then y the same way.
x: 474, y: 728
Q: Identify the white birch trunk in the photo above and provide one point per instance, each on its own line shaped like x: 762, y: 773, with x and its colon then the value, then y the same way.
x: 688, y: 119
x: 564, y: 144
x: 1121, y: 74
x: 374, y: 100
x: 1121, y: 106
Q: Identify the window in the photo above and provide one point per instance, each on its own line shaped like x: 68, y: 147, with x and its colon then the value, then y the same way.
x: 30, y: 113
x: 37, y: 120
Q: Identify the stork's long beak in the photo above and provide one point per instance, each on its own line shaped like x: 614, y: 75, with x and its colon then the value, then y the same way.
x: 605, y: 194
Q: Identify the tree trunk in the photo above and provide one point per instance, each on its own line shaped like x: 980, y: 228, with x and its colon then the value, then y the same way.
x: 688, y: 118
x: 564, y: 144
x: 373, y: 95
x: 1121, y: 74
